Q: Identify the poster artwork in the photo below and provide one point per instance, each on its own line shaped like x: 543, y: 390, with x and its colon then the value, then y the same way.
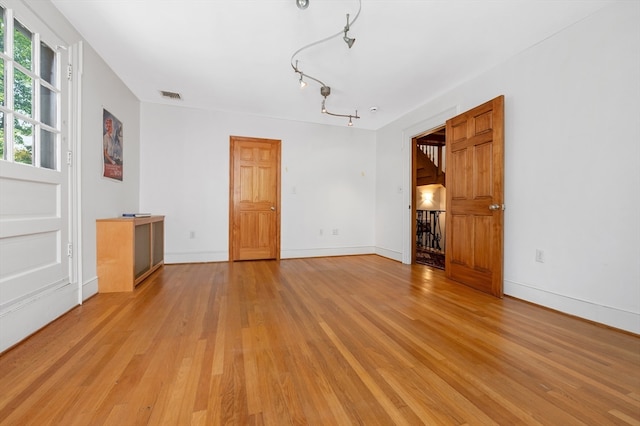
x: 111, y: 146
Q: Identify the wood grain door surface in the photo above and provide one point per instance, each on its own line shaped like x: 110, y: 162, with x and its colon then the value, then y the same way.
x: 254, y: 231
x: 475, y: 197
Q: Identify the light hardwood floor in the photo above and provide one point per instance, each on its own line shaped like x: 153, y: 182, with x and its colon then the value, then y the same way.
x: 324, y: 341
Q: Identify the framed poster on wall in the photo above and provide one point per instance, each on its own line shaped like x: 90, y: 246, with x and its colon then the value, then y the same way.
x: 111, y: 146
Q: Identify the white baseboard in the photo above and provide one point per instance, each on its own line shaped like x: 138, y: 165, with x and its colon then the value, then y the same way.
x: 89, y: 288
x: 204, y: 257
x: 607, y: 315
x: 196, y: 257
x: 25, y: 318
x: 391, y: 254
x: 325, y: 252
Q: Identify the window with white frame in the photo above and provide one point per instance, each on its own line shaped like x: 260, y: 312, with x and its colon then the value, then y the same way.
x: 30, y: 96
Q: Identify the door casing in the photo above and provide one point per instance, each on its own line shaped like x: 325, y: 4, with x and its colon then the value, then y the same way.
x: 408, y: 219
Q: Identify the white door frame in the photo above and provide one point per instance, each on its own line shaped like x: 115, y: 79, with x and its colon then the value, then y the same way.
x: 75, y: 173
x: 408, y: 134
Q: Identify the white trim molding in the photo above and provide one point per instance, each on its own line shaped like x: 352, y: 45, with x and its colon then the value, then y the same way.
x: 607, y: 315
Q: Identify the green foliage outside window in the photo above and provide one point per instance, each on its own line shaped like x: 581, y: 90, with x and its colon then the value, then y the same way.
x: 22, y: 87
x: 22, y: 95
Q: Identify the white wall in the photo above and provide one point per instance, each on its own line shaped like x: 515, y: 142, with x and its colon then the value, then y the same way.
x: 102, y: 197
x: 572, y: 177
x: 328, y: 182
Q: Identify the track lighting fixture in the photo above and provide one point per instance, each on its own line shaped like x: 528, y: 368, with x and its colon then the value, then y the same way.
x: 324, y: 89
x: 346, y: 39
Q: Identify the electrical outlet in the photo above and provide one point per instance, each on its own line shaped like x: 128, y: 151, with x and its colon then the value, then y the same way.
x: 192, y: 235
x: 335, y: 231
x: 539, y: 256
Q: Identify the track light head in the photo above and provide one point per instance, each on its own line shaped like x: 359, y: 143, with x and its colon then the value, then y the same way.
x: 302, y: 4
x: 348, y: 40
x: 303, y: 83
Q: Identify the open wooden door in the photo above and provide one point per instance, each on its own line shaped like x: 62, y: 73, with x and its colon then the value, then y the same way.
x: 475, y: 196
x: 254, y: 206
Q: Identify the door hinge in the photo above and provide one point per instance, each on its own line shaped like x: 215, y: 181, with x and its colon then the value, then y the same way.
x: 69, y: 72
x: 69, y: 158
x: 70, y: 250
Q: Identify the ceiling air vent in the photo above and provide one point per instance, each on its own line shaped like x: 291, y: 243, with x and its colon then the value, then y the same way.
x: 170, y: 95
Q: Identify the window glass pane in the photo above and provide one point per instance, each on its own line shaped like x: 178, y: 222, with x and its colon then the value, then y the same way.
x: 22, y: 141
x: 47, y: 150
x: 47, y: 64
x: 1, y: 29
x: 22, y: 45
x: 22, y: 93
x: 47, y: 106
x: 2, y: 139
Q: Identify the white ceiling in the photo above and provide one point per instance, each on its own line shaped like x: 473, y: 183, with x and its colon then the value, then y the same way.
x: 234, y: 55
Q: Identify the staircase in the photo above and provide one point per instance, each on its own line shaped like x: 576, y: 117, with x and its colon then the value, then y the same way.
x: 430, y: 165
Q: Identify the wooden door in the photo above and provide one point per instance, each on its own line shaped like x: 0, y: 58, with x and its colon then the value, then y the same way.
x: 475, y: 187
x: 254, y: 231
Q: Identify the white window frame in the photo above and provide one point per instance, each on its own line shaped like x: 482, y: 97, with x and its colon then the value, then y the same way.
x: 37, y: 82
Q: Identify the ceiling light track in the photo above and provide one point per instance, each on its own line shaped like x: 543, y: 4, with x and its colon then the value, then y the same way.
x: 324, y: 89
x: 304, y: 75
x: 349, y: 116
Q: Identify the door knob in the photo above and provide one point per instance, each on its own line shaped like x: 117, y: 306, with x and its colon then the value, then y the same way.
x: 273, y: 209
x: 496, y: 206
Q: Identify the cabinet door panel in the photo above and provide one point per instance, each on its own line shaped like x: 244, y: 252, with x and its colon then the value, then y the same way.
x: 158, y: 242
x: 142, y: 249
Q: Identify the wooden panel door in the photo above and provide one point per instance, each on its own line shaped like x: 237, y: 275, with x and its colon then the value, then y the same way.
x: 254, y: 231
x: 475, y: 191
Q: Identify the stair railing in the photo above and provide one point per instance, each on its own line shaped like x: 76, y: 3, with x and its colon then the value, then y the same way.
x: 435, y: 153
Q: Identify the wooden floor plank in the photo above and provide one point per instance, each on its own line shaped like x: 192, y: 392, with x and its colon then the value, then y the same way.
x: 323, y: 341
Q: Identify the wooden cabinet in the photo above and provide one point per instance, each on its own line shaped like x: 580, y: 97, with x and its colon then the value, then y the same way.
x: 128, y: 251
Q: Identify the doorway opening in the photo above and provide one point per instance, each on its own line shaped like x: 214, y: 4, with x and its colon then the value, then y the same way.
x: 429, y: 198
